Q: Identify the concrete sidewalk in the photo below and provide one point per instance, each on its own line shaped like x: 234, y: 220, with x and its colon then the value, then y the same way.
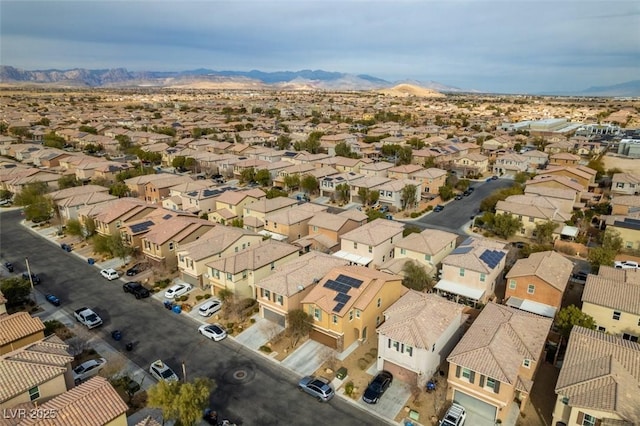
x: 259, y: 333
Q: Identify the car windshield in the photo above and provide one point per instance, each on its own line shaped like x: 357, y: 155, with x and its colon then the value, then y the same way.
x: 215, y: 329
x: 92, y: 317
x: 79, y: 369
x: 166, y: 373
x: 375, y: 386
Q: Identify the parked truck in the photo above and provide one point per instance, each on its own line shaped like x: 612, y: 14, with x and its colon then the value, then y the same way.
x: 87, y: 317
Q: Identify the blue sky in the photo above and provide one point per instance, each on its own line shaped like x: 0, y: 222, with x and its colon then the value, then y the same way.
x: 510, y: 46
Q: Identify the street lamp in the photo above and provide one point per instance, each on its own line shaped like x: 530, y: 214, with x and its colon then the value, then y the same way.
x: 33, y: 290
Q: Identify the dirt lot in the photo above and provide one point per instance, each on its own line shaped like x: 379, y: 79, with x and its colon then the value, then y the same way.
x: 629, y: 165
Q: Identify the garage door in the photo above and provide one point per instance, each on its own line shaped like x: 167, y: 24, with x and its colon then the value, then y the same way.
x: 324, y: 339
x: 482, y: 412
x: 273, y: 316
x: 400, y: 373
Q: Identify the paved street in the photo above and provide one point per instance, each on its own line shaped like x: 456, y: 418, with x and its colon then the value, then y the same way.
x: 252, y: 390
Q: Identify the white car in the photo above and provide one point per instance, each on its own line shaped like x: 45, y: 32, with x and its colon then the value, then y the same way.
x: 162, y: 371
x: 626, y: 264
x: 88, y: 369
x: 454, y: 416
x: 210, y: 307
x: 110, y: 274
x: 177, y: 290
x: 214, y: 332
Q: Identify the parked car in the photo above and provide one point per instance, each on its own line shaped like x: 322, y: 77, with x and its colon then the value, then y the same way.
x: 494, y: 177
x: 35, y: 278
x: 467, y: 192
x: 438, y: 208
x: 454, y: 416
x: 66, y: 247
x: 626, y: 264
x: 134, y: 270
x: 177, y: 290
x: 384, y: 209
x: 318, y: 387
x: 377, y: 387
x: 210, y: 307
x: 580, y: 276
x: 52, y: 299
x: 459, y: 197
x: 215, y: 332
x: 137, y: 289
x: 110, y: 274
x: 8, y: 266
x: 88, y: 369
x: 162, y: 371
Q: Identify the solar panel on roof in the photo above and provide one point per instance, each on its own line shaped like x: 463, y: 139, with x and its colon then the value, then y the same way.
x: 330, y: 284
x: 351, y: 282
x: 462, y: 250
x: 491, y: 257
x: 338, y: 307
x: 342, y: 298
x: 167, y: 216
x: 139, y: 227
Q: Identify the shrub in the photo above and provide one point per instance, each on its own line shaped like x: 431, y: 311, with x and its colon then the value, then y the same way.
x: 368, y: 357
x: 199, y: 297
x: 374, y: 352
x: 362, y: 363
x: 348, y: 388
x: 230, y: 324
x: 206, y: 296
x: 51, y: 326
x: 265, y: 349
x: 252, y: 320
x: 429, y: 208
x: 414, y: 214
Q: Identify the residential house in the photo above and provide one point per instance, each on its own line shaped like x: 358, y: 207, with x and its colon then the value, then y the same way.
x: 393, y: 195
x: 537, y: 160
x: 557, y: 182
x: 471, y: 164
x: 328, y: 184
x: 582, y: 175
x: 230, y: 204
x: 532, y: 210
x: 510, y: 164
x: 627, y: 227
x: 19, y: 330
x: 283, y: 291
x: 218, y: 242
x: 625, y: 184
x: 348, y: 304
x: 599, y: 380
x: 35, y: 372
x: 160, y: 244
x: 371, y: 244
x: 493, y: 368
x: 111, y: 216
x: 428, y: 248
x: 158, y: 189
x: 380, y: 169
x: 239, y: 272
x: 564, y: 159
x: 248, y: 164
x: 625, y: 205
x: 406, y: 171
x: 133, y: 231
x: 326, y: 229
x: 611, y: 299
x: 365, y: 185
x: 471, y: 271
x: 432, y: 179
x: 418, y: 333
x: 536, y: 284
x: 565, y: 199
x: 260, y: 209
x: 290, y: 224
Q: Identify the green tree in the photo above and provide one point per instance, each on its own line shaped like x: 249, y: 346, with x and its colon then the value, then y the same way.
x: 373, y: 214
x: 505, y: 225
x: 88, y: 129
x: 124, y: 142
x: 68, y: 181
x: 192, y: 399
x: 463, y: 184
x: 363, y: 193
x: 190, y: 164
x: 5, y: 194
x: 404, y: 155
x: 54, y: 141
x: 415, y: 277
x: 606, y: 253
x: 446, y: 192
x: 74, y: 227
x: 342, y: 192
x: 570, y: 316
x: 415, y: 143
x: 118, y: 247
x: 543, y: 232
x: 263, y: 177
x: 521, y: 178
x: 291, y: 182
x: 309, y: 184
x: 275, y: 192
x: 429, y: 162
x: 248, y: 175
x: 119, y: 189
x: 613, y: 171
x: 163, y: 395
x: 283, y: 142
x: 237, y: 223
x: 410, y: 229
x: 16, y: 290
x: 343, y: 149
x: 409, y: 193
x: 598, y: 165
x: 38, y: 207
x: 89, y: 227
x: 92, y: 148
x: 300, y: 324
x: 178, y: 162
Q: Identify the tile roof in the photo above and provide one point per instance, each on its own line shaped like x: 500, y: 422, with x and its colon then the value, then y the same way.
x: 32, y: 365
x: 419, y: 319
x: 254, y: 257
x: 471, y: 258
x: 626, y: 200
x: 549, y: 266
x: 429, y: 241
x: 16, y: 326
x: 175, y: 228
x: 499, y: 340
x: 614, y: 292
x: 93, y: 403
x: 374, y: 233
x: 214, y: 241
x: 303, y: 272
x: 601, y: 372
x: 532, y: 211
x: 295, y: 214
x: 266, y: 205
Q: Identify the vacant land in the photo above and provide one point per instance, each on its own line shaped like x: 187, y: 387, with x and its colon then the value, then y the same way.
x: 629, y: 165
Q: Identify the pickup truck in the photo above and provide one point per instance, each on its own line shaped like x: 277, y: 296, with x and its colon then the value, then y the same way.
x: 87, y: 317
x: 626, y: 264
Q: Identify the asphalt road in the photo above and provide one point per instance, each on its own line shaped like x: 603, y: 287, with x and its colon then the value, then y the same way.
x: 457, y: 213
x: 251, y: 390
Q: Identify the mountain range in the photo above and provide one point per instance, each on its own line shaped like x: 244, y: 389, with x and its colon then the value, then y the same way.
x: 284, y: 80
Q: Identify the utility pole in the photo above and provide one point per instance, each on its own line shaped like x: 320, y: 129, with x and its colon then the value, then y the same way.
x: 33, y: 290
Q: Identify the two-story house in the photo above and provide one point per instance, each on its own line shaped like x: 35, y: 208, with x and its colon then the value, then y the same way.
x: 291, y: 224
x: 627, y: 227
x: 283, y: 291
x: 348, y: 304
x: 392, y: 194
x: 610, y: 298
x: 326, y: 229
x: 238, y: 272
x: 533, y: 210
x: 255, y: 213
x: 471, y: 271
x: 625, y: 184
x: 158, y: 189
x: 432, y: 179
x: 599, y: 380
x: 328, y: 184
x: 428, y: 248
x: 371, y: 244
x: 510, y: 164
x: 625, y: 205
x: 418, y: 333
x: 536, y: 284
x: 230, y: 204
x: 405, y: 171
x: 493, y: 368
x: 380, y: 169
x: 113, y: 215
x: 19, y: 330
x: 471, y: 164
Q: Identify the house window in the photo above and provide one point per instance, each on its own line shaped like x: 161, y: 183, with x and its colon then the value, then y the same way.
x: 600, y: 328
x: 427, y: 257
x: 531, y: 289
x: 462, y: 272
x: 377, y: 320
x: 351, y: 315
x: 466, y: 373
x: 216, y: 273
x: 370, y: 249
x: 273, y: 266
x: 266, y: 294
x: 588, y: 420
x: 315, y: 228
x: 403, y: 251
x: 630, y: 337
x: 334, y: 319
x: 244, y: 274
x: 355, y: 245
x: 279, y: 300
x: 379, y: 302
x: 171, y: 246
x: 34, y: 393
x: 526, y: 363
x: 491, y: 383
x: 317, y: 314
x: 565, y: 400
x: 616, y: 315
x: 409, y: 350
x: 530, y: 218
x: 229, y: 276
x: 357, y: 313
x: 483, y: 277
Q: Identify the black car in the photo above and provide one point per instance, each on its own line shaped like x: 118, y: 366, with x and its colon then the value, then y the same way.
x: 467, y: 192
x: 66, y: 247
x: 52, y: 299
x: 134, y: 270
x: 438, y: 208
x: 377, y: 387
x: 34, y: 278
x: 137, y: 289
x: 9, y: 266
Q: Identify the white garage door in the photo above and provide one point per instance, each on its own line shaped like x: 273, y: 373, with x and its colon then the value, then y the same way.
x: 478, y: 412
x: 273, y: 316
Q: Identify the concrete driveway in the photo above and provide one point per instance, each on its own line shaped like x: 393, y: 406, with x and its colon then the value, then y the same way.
x: 393, y: 400
x: 308, y: 357
x: 259, y: 333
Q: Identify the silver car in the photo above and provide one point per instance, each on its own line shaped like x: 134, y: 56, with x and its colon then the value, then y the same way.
x: 88, y: 369
x: 210, y: 307
x: 319, y: 387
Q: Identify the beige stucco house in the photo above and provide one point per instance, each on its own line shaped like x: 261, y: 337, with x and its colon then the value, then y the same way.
x: 428, y: 248
x: 371, y: 244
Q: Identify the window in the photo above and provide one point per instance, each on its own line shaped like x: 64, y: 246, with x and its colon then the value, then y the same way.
x: 600, y: 328
x: 531, y: 289
x: 334, y: 319
x: 377, y: 320
x: 466, y: 373
x: 370, y: 249
x: 462, y: 272
x: 34, y: 393
x: 355, y: 245
x: 357, y: 313
x: 491, y: 383
x: 565, y: 400
x: 171, y: 245
x: 273, y: 265
x: 530, y: 218
x: 526, y: 363
x: 483, y: 277
x: 216, y: 273
x: 588, y: 420
x: 229, y: 276
x: 266, y: 294
x: 244, y: 274
x: 379, y: 302
x: 427, y: 257
x: 409, y: 350
x: 279, y: 300
x: 630, y: 337
x: 317, y: 314
x: 351, y: 315
x: 616, y: 315
x: 315, y: 228
x: 403, y: 251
